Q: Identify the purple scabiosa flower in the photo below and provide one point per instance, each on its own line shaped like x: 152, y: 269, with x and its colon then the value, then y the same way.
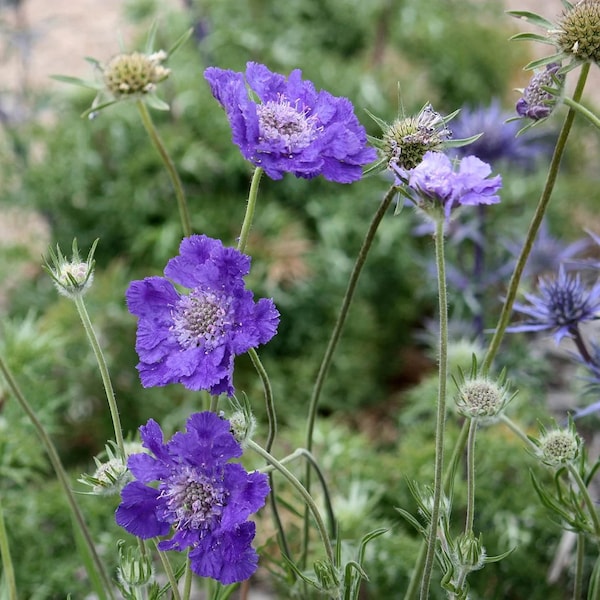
x: 437, y: 185
x: 192, y: 339
x: 293, y: 128
x: 205, y: 499
x: 563, y: 302
x: 536, y: 103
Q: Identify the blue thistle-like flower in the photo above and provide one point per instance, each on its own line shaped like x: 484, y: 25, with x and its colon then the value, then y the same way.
x: 201, y: 496
x: 293, y: 128
x: 562, y: 304
x: 192, y: 339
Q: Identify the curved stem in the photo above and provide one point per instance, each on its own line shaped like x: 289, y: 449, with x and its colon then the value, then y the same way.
x: 343, y: 313
x: 184, y: 214
x: 582, y: 110
x: 60, y: 474
x: 168, y: 572
x: 250, y: 209
x: 269, y: 401
x: 8, y: 571
x: 534, y: 226
x: 310, y: 503
x: 441, y: 408
x: 335, y: 336
x: 110, y: 395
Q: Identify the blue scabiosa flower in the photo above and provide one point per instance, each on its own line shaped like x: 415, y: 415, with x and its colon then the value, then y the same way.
x: 563, y: 302
x: 192, y: 339
x: 205, y: 499
x: 436, y: 187
x: 293, y: 128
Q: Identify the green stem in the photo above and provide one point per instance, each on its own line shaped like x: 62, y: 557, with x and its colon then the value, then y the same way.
x: 470, y: 517
x: 441, y: 408
x: 589, y: 503
x: 517, y: 431
x: 534, y: 226
x: 310, y: 503
x: 60, y: 474
x: 8, y: 571
x: 168, y: 572
x: 110, y: 395
x: 580, y: 556
x: 269, y: 401
x: 184, y: 214
x: 335, y: 336
x: 583, y: 111
x: 187, y: 582
x: 250, y: 209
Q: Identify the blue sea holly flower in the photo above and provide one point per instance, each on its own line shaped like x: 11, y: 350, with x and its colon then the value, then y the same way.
x: 292, y: 128
x: 193, y: 338
x: 201, y: 497
x: 436, y: 187
x: 561, y: 304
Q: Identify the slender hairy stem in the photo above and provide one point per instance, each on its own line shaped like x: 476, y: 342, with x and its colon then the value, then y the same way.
x: 440, y: 425
x: 517, y: 431
x: 582, y: 110
x: 187, y: 582
x: 269, y: 401
x: 579, y: 558
x: 415, y: 578
x: 250, y: 208
x: 110, y: 395
x: 61, y: 474
x: 184, y: 214
x: 8, y: 571
x: 310, y: 503
x: 534, y: 226
x: 470, y: 517
x: 335, y: 336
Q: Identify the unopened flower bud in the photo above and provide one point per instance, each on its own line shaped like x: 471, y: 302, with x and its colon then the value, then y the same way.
x: 135, y: 73
x: 559, y: 447
x: 72, y: 278
x: 408, y: 139
x: 480, y: 398
x: 579, y: 31
x: 134, y: 570
x: 537, y: 103
x: 469, y: 552
x: 242, y: 425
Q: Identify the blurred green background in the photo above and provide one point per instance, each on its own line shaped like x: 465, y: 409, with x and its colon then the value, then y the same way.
x: 67, y: 177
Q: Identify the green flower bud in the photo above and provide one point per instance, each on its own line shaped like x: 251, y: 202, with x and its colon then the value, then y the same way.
x: 578, y: 34
x: 470, y: 554
x: 135, y: 73
x: 134, y: 570
x: 559, y: 447
x: 480, y: 398
x: 71, y: 278
x: 407, y: 139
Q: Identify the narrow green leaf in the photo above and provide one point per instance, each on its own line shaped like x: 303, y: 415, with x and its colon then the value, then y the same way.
x: 542, y: 62
x: 179, y: 42
x: 154, y: 101
x: 92, y: 85
x: 531, y: 37
x: 533, y: 18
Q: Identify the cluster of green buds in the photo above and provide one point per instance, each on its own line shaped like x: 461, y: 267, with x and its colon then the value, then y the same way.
x: 134, y: 570
x: 72, y: 277
x: 479, y: 397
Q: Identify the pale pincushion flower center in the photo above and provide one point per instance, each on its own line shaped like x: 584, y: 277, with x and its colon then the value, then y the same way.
x: 559, y: 447
x: 281, y: 122
x: 193, y: 499
x: 200, y: 319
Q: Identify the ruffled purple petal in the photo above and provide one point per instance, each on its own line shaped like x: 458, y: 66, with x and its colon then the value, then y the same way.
x: 137, y: 511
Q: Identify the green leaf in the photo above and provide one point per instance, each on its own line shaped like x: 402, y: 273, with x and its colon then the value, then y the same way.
x: 179, y: 42
x: 154, y: 101
x: 542, y: 62
x: 151, y: 39
x: 533, y: 18
x: 462, y: 142
x: 92, y: 85
x: 95, y: 108
x: 531, y: 37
